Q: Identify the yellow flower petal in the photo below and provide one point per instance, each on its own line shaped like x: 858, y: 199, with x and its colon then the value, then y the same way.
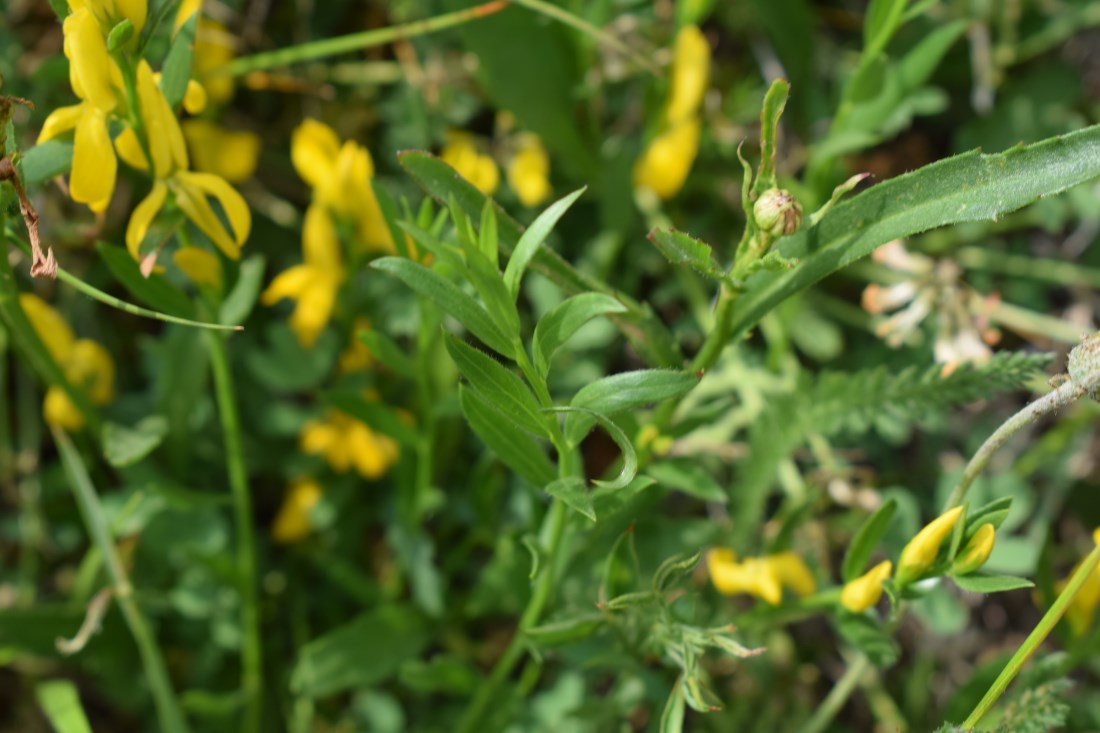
x: 135, y: 11
x: 60, y: 121
x: 314, y: 147
x: 689, y: 75
x: 186, y: 9
x: 200, y: 265
x: 214, y: 48
x: 92, y: 370
x: 314, y: 309
x: 191, y: 196
x: 143, y: 217
x: 49, y: 325
x: 58, y: 410
x: 460, y: 152
x: 129, y: 149
x: 92, y: 180
x: 229, y: 154
x: 665, y: 164
x: 529, y: 170
x: 976, y: 552
x: 860, y: 594
x: 292, y: 522
x: 791, y: 571
x: 90, y: 65
x: 320, y: 243
x: 194, y: 99
x: 289, y: 283
x: 161, y: 126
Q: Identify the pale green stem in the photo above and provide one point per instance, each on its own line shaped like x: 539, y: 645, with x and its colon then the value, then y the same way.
x: 357, y: 41
x: 252, y: 650
x: 1029, y: 322
x: 1060, y: 272
x: 156, y: 673
x: 837, y: 696
x: 1035, y: 638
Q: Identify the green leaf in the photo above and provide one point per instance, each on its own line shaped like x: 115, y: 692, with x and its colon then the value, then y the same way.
x: 155, y: 291
x: 518, y: 450
x: 532, y: 240
x: 623, y: 392
x: 774, y: 102
x: 386, y: 350
x: 630, y: 457
x: 177, y: 65
x: 995, y: 513
x: 688, y: 477
x: 987, y: 583
x: 490, y: 286
x: 374, y: 415
x: 879, y: 25
x: 674, y: 566
x: 639, y: 324
x: 866, y: 539
x: 563, y: 320
x: 60, y: 702
x: 967, y: 187
x: 359, y: 654
x: 559, y: 633
x: 870, y: 638
x: 451, y: 300
x: 574, y: 493
x: 488, y: 239
x: 45, y: 161
x: 124, y: 446
x: 242, y: 298
x: 683, y: 249
x: 672, y: 717
x: 499, y: 386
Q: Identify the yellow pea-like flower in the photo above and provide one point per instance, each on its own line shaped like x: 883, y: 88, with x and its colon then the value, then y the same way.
x: 529, y: 171
x: 666, y: 162
x: 347, y: 443
x: 862, y: 593
x: 689, y: 75
x: 976, y: 552
x: 230, y: 154
x: 200, y: 265
x: 921, y: 551
x: 762, y: 577
x: 292, y: 522
x: 109, y: 13
x: 461, y: 153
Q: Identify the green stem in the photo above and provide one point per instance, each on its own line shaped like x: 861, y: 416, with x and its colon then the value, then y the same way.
x: 1039, y: 325
x: 252, y: 660
x: 1035, y: 638
x: 357, y: 41
x: 156, y: 673
x: 602, y: 36
x: 837, y: 696
x: 1060, y: 272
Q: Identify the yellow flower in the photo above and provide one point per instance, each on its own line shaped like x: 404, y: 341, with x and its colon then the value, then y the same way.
x: 200, y: 265
x: 976, y: 551
x: 292, y: 522
x: 763, y: 577
x: 109, y: 13
x: 88, y: 366
x: 347, y: 443
x: 666, y: 162
x: 462, y: 154
x: 921, y: 551
x: 357, y: 356
x: 97, y: 80
x: 226, y: 153
x: 529, y: 171
x: 689, y: 75
x: 860, y: 594
x: 214, y: 48
x: 314, y: 283
x: 340, y: 178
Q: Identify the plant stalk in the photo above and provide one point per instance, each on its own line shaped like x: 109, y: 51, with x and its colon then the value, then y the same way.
x: 837, y: 696
x: 252, y: 651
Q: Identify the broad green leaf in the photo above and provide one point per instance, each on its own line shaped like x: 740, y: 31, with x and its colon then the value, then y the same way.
x: 987, y: 583
x: 574, y: 493
x: 966, y: 187
x: 519, y: 451
x: 374, y: 415
x: 124, y: 446
x: 532, y: 240
x: 240, y: 301
x: 563, y: 320
x: 386, y: 350
x: 688, y: 477
x: 177, y: 65
x: 499, y: 386
x: 359, y: 654
x: 683, y: 249
x: 155, y: 291
x: 623, y: 392
x: 60, y: 702
x: 45, y: 161
x: 451, y: 300
x: 866, y: 539
x: 559, y: 633
x: 639, y: 324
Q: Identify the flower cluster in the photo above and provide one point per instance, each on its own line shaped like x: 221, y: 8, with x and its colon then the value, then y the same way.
x: 88, y: 366
x: 528, y: 163
x: 667, y: 160
x: 118, y: 88
x: 763, y: 577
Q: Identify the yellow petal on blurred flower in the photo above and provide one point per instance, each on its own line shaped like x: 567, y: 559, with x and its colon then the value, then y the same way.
x: 91, y: 68
x: 194, y: 99
x: 345, y: 442
x: 860, y: 594
x: 162, y: 128
x: 186, y: 9
x: 689, y: 74
x: 92, y: 179
x: 142, y: 218
x: 91, y: 369
x: 58, y: 410
x: 974, y: 554
x: 460, y: 152
x: 762, y: 577
x: 792, y: 572
x: 320, y: 242
x: 135, y: 11
x: 49, y: 325
x: 1082, y: 609
x: 226, y: 153
x: 357, y: 356
x: 529, y: 171
x: 60, y: 121
x: 292, y: 522
x: 314, y: 147
x: 922, y: 550
x: 666, y: 162
x: 201, y: 266
x: 191, y: 190
x: 214, y: 48
x: 129, y: 149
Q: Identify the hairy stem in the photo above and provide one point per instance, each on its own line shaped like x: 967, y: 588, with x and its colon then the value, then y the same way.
x: 252, y: 660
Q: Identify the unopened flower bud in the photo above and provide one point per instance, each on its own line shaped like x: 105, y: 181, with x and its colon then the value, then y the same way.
x: 976, y: 551
x: 921, y: 551
x: 863, y: 592
x: 777, y: 212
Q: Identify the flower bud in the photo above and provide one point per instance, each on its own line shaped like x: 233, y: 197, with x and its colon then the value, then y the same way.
x: 777, y: 212
x: 863, y: 592
x: 921, y: 551
x: 976, y: 552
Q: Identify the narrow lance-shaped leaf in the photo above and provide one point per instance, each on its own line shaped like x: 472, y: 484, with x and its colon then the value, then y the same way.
x: 563, y: 320
x: 967, y: 187
x: 630, y: 457
x: 517, y: 449
x: 622, y: 392
x: 500, y: 387
x: 683, y: 249
x: 533, y: 238
x: 866, y: 540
